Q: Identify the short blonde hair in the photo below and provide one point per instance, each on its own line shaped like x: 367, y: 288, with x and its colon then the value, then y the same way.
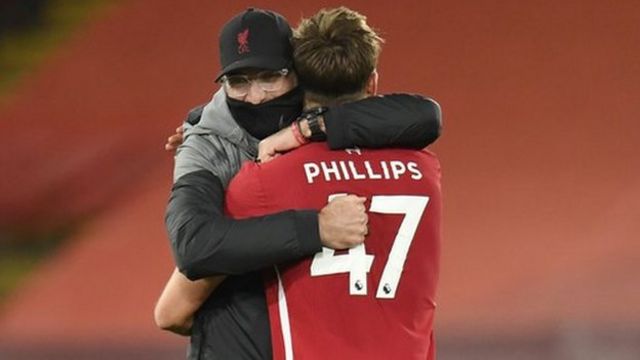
x: 335, y: 53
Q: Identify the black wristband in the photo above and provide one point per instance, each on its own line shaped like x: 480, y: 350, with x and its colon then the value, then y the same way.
x: 312, y: 120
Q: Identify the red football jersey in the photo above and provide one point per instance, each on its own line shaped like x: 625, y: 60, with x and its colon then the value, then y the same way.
x: 377, y: 300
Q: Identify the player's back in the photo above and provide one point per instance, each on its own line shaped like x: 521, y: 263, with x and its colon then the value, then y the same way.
x: 375, y: 301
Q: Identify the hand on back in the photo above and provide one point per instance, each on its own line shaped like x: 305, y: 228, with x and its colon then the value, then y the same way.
x: 175, y: 140
x: 343, y: 222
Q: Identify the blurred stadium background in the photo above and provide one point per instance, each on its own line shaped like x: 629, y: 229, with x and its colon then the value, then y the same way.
x: 541, y: 172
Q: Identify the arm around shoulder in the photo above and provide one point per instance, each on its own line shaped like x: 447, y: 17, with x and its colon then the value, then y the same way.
x: 395, y: 120
x: 206, y: 242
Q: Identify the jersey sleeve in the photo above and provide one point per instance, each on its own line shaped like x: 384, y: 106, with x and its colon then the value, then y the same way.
x: 395, y: 120
x: 245, y: 194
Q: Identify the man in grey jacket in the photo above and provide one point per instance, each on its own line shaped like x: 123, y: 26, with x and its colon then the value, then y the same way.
x: 258, y: 98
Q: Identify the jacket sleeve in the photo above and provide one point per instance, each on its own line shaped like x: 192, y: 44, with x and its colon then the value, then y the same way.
x: 206, y: 242
x: 396, y: 120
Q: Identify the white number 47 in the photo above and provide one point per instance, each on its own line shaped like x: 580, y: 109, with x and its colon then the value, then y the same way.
x: 358, y: 263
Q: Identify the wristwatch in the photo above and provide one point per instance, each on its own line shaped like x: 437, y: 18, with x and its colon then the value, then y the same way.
x: 311, y: 116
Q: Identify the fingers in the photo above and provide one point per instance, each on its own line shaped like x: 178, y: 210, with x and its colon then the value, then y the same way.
x: 352, y: 198
x: 344, y: 222
x: 264, y: 158
x: 171, y: 143
x: 365, y: 225
x: 362, y: 208
x: 353, y: 205
x: 265, y: 151
x: 362, y: 218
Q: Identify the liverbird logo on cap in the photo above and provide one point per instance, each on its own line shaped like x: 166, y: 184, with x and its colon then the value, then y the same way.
x: 243, y: 41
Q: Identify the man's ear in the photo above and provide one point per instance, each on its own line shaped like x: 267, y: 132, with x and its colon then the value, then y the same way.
x: 372, y: 83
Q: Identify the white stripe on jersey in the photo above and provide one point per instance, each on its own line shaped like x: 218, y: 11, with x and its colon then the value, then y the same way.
x: 285, y: 326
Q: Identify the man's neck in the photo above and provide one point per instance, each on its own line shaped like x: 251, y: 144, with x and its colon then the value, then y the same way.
x: 313, y: 100
x: 310, y: 104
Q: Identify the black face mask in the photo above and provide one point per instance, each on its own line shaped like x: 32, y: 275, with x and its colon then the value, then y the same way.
x: 267, y: 118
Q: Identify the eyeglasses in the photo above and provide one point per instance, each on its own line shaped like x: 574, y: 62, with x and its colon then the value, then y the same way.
x: 268, y: 81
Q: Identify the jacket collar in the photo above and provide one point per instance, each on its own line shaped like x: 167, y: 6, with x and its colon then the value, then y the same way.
x: 217, y: 120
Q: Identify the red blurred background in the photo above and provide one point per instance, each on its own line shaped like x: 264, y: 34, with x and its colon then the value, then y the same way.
x: 541, y: 176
